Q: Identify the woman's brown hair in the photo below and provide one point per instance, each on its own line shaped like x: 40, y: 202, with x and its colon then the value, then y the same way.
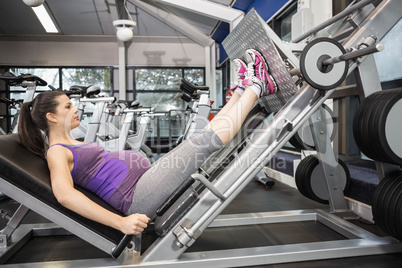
x: 33, y: 125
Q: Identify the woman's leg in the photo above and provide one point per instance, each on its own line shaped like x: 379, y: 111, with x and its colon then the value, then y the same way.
x: 169, y: 172
x: 228, y: 123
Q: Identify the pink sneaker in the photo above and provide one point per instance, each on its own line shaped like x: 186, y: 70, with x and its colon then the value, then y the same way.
x: 258, y: 73
x: 241, y: 70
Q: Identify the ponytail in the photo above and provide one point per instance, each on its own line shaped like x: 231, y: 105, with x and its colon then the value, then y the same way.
x: 33, y: 125
x: 30, y: 135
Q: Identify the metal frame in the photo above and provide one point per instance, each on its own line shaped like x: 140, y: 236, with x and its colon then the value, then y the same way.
x: 169, y: 250
x: 55, y: 216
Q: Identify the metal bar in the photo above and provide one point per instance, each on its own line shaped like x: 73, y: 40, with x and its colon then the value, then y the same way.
x: 354, y: 54
x: 206, y: 8
x: 264, y: 218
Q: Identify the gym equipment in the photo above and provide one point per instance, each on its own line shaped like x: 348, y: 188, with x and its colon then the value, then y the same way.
x: 309, y: 174
x: 34, y: 178
x: 80, y: 95
x: 28, y: 81
x: 377, y: 127
x: 11, y: 104
x: 324, y: 62
x: 303, y: 138
x: 387, y: 205
x: 97, y: 116
x: 200, y: 109
x: 189, y: 211
x: 124, y: 140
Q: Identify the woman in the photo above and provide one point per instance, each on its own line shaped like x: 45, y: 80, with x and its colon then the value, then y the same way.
x: 125, y: 179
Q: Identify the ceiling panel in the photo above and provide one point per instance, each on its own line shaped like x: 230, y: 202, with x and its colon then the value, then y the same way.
x: 17, y: 18
x: 94, y: 18
x: 76, y: 17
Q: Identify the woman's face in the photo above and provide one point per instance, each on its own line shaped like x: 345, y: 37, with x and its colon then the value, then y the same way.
x: 66, y: 113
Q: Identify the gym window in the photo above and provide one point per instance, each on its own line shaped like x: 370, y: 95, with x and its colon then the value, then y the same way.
x: 160, y: 87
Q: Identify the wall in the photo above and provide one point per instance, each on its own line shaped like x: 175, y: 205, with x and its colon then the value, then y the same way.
x: 99, y: 51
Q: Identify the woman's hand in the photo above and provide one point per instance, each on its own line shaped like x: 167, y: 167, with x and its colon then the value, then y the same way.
x: 134, y: 224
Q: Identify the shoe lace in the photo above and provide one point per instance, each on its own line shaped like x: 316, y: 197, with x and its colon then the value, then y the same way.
x: 250, y: 70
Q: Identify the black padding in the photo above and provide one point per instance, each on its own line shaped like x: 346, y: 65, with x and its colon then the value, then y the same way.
x: 174, y: 196
x: 82, y: 89
x: 186, y: 97
x: 13, y: 80
x: 30, y: 173
x: 186, y: 84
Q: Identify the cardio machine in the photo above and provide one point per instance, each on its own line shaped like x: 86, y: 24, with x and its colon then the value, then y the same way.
x: 200, y: 110
x: 88, y: 94
x: 123, y: 139
x: 27, y: 81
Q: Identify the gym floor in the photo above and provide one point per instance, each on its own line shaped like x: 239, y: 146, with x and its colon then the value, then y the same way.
x: 254, y: 198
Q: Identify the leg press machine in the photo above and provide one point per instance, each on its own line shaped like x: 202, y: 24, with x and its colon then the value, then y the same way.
x: 198, y: 204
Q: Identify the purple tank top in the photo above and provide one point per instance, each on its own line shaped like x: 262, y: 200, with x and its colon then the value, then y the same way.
x: 111, y: 175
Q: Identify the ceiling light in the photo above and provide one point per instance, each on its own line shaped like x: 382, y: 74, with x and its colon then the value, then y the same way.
x: 124, y: 29
x: 33, y: 3
x: 45, y: 19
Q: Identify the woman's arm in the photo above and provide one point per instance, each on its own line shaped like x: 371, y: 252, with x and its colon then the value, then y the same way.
x: 58, y: 159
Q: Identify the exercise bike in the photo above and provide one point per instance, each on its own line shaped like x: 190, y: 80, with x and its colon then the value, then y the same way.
x: 125, y: 139
x: 200, y: 110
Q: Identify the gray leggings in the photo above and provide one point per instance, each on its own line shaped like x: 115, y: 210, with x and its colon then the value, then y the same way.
x: 169, y: 172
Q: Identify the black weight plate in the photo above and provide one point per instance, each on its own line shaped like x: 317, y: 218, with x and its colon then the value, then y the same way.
x: 329, y: 116
x: 370, y: 123
x: 345, y: 184
x: 347, y: 173
x: 388, y: 194
x: 358, y: 126
x: 313, y: 163
x: 382, y: 139
x: 384, y: 197
x: 296, y: 141
x: 398, y: 216
x: 376, y: 151
x: 309, y: 167
x: 378, y: 196
x: 367, y: 120
x: 382, y: 145
x: 300, y: 175
x: 392, y: 209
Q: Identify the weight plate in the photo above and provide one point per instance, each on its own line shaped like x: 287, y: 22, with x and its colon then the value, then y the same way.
x: 389, y: 128
x: 301, y: 174
x: 369, y: 123
x: 398, y: 216
x: 296, y: 141
x: 305, y: 136
x: 311, y: 67
x: 358, y: 126
x: 378, y: 197
x: 319, y: 186
x: 387, y: 197
x: 309, y: 179
x: 391, y: 214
